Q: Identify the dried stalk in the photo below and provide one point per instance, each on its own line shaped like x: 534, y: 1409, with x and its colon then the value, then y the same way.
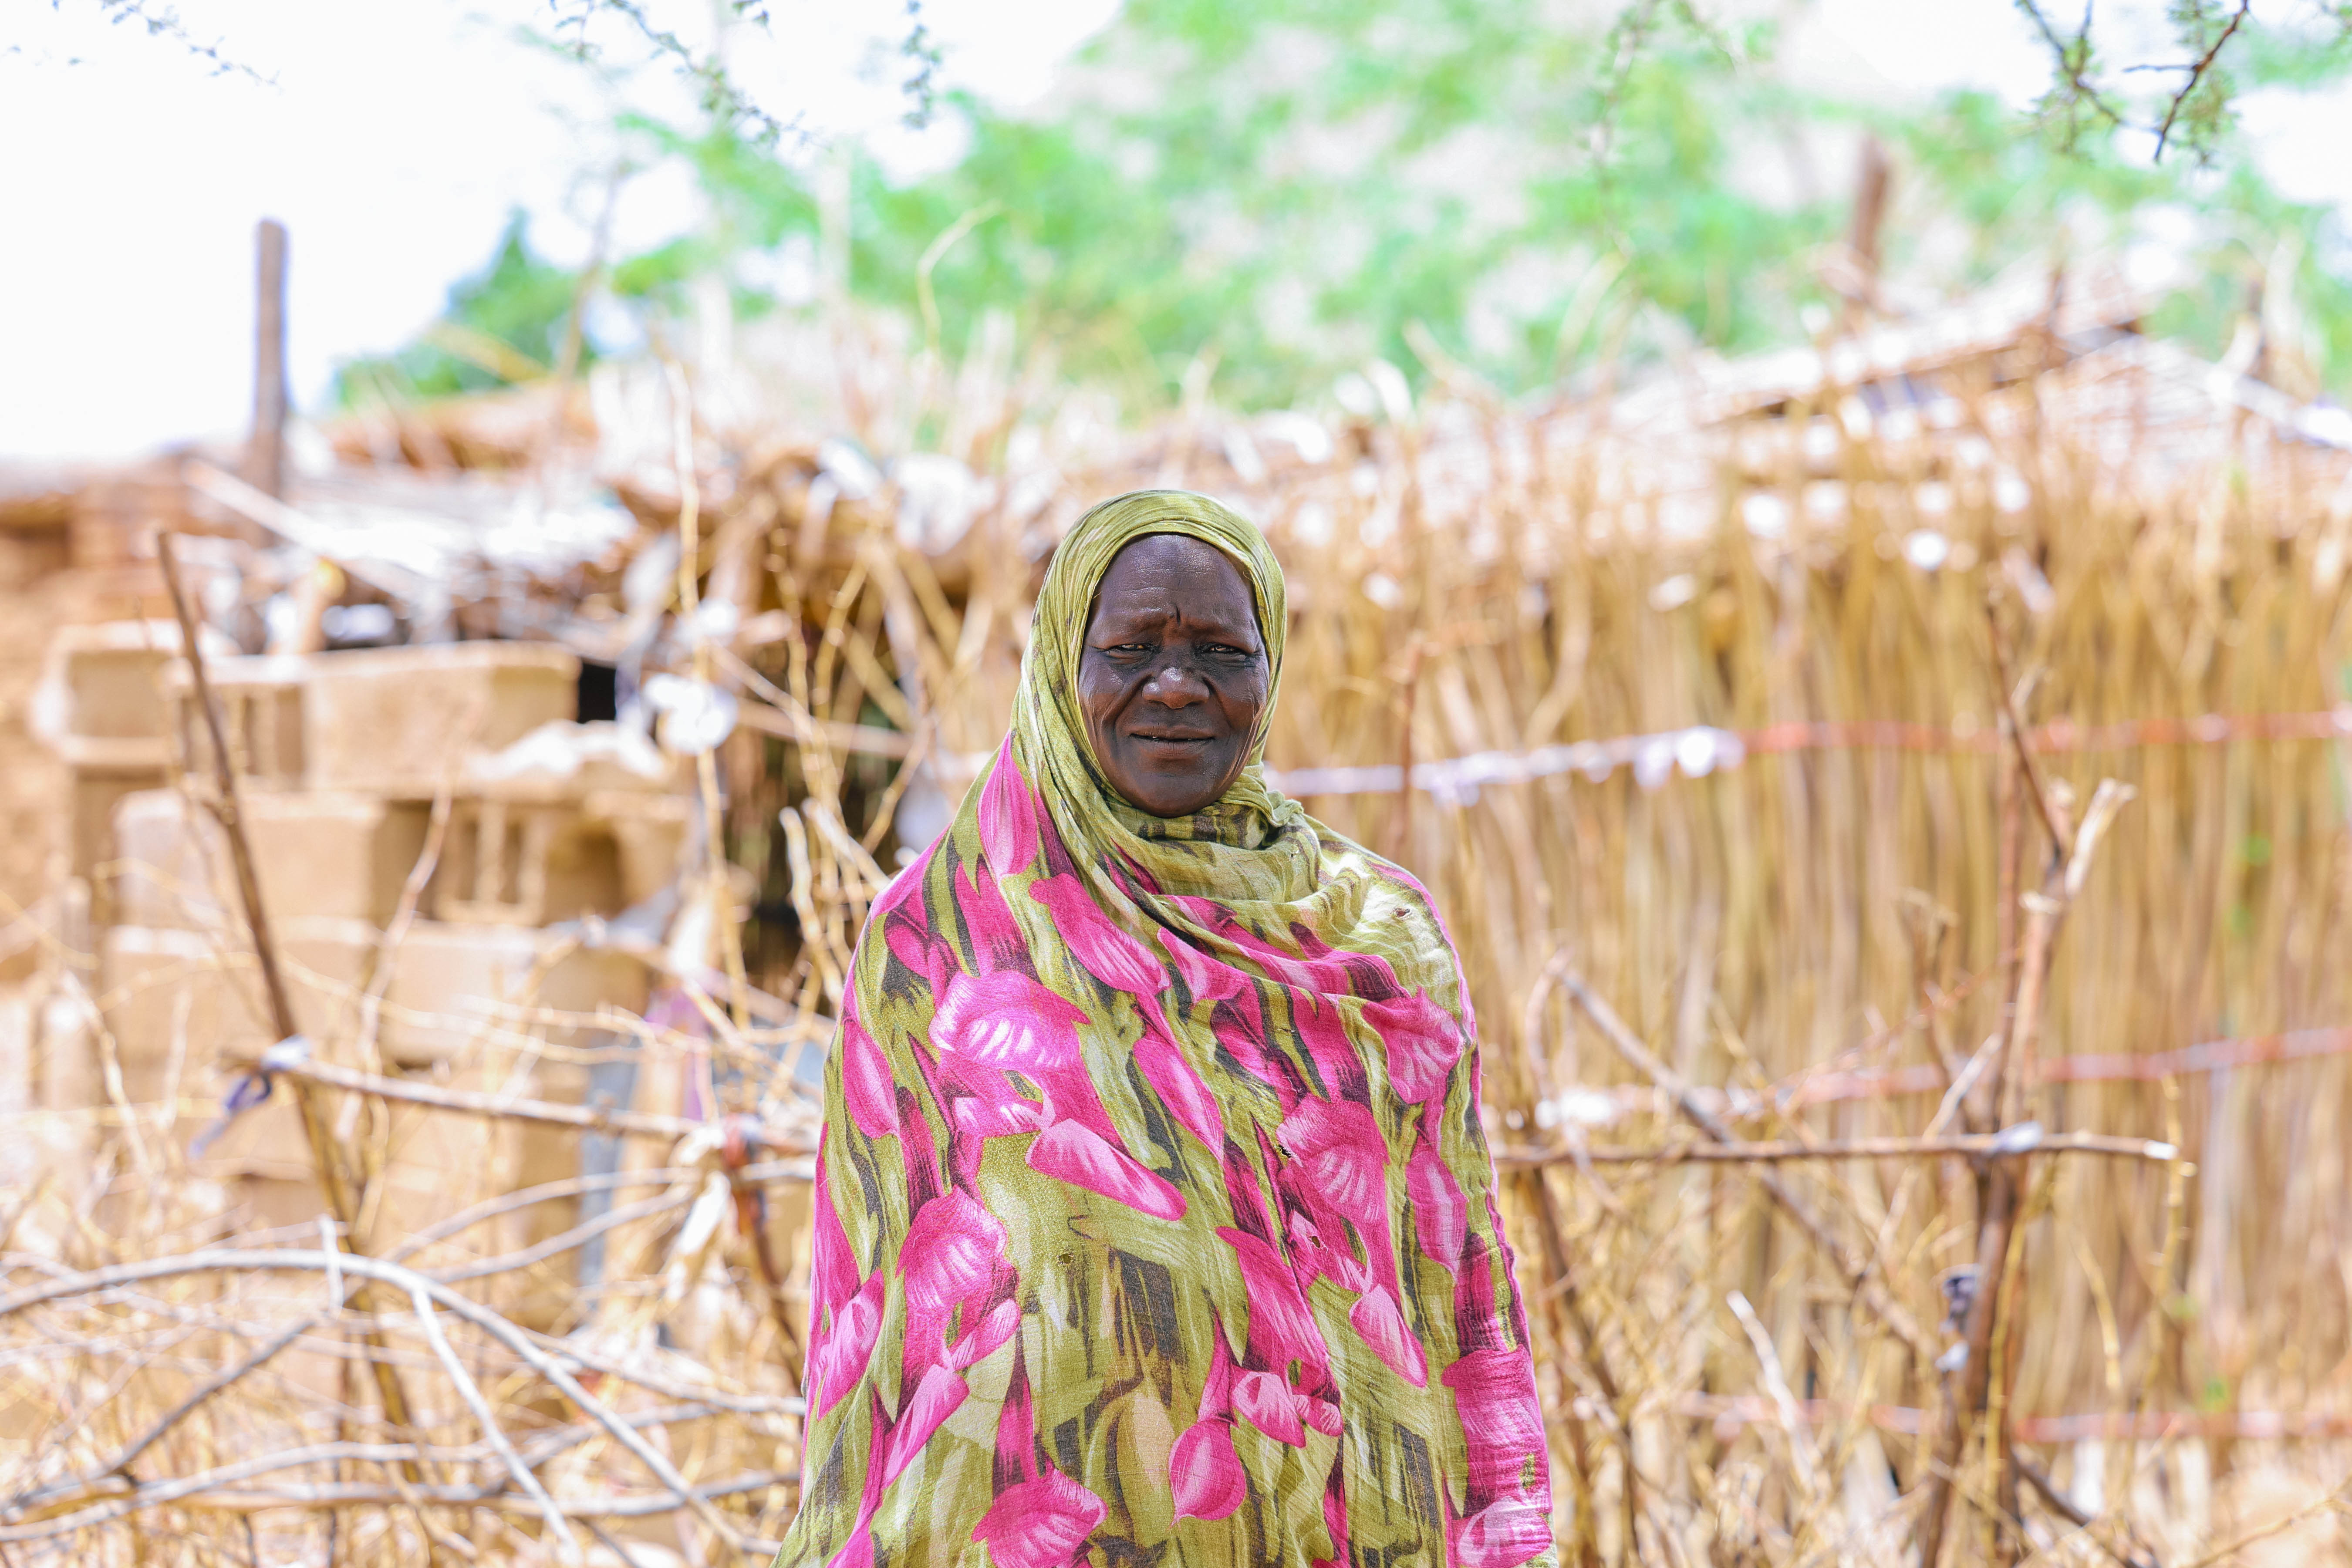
x: 1992, y: 1146
x: 2044, y: 915
x: 475, y: 1102
x: 569, y: 1544
x: 482, y: 1317
x: 1853, y: 1270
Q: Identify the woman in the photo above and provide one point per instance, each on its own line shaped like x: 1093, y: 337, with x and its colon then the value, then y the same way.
x: 1153, y: 1226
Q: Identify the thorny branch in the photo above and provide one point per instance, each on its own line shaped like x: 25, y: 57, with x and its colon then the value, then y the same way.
x: 2197, y: 76
x: 1857, y: 1270
x: 2005, y: 1190
x: 163, y: 22
x: 722, y: 97
x: 496, y: 1327
x: 2071, y: 58
x: 1801, y: 1151
x: 2198, y: 104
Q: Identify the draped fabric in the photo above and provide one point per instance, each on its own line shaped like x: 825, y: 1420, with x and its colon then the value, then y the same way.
x: 1153, y: 1217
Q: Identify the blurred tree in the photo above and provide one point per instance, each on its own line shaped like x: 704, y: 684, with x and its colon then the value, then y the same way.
x: 1284, y: 189
x: 1273, y: 195
x: 2189, y: 108
x: 504, y: 324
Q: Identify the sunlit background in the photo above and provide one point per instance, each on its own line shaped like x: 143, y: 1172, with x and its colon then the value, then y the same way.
x: 1143, y: 186
x: 1821, y: 531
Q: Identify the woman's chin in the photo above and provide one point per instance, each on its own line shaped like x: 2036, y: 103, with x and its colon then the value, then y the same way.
x: 1177, y: 798
x: 1175, y: 784
x: 1175, y: 806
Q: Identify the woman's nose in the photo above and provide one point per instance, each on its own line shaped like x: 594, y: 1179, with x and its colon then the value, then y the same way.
x: 1178, y: 685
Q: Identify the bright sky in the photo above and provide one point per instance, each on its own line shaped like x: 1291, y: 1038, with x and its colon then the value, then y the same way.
x: 392, y: 141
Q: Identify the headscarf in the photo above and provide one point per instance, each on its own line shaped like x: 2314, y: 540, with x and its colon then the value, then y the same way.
x: 1153, y: 1215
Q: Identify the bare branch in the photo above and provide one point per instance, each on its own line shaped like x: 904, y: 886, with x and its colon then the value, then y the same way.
x: 1857, y: 1270
x: 492, y: 1434
x: 2009, y: 1145
x: 721, y: 97
x: 496, y: 1327
x: 163, y: 22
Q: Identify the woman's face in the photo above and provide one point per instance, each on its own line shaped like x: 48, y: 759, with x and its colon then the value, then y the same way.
x: 1173, y: 675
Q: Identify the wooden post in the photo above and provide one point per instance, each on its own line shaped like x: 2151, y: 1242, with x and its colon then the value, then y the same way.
x: 1870, y: 191
x: 1871, y: 184
x: 265, y: 449
x: 229, y: 807
x: 343, y: 1199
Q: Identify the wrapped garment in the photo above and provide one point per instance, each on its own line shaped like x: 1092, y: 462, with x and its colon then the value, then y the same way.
x: 1154, y: 1219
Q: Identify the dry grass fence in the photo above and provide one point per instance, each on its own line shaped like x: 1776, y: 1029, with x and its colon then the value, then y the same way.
x: 1818, y: 799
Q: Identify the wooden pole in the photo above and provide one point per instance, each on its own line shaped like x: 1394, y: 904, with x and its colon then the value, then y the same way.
x: 342, y: 1200
x: 265, y: 449
x: 228, y: 808
x: 1870, y: 191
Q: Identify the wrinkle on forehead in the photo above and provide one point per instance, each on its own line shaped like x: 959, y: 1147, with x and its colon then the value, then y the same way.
x: 1147, y: 588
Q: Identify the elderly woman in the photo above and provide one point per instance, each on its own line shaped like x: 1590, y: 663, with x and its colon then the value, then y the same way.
x: 1152, y: 1209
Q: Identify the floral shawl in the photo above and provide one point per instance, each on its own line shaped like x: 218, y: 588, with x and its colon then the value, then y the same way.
x: 1154, y: 1225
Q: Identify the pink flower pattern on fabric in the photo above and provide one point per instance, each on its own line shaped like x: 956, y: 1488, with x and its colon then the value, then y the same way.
x: 950, y: 1251
x: 1380, y: 1321
x: 1083, y: 1158
x: 1179, y: 1083
x: 1008, y: 817
x: 1041, y: 1524
x: 1261, y: 1399
x: 866, y: 1084
x: 1108, y: 953
x: 1205, y: 1472
x: 1007, y: 1020
x: 1441, y: 1215
x: 1204, y: 976
x: 1423, y: 1044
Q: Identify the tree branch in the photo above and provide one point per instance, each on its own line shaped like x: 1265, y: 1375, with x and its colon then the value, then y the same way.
x: 496, y: 1327
x: 2197, y: 73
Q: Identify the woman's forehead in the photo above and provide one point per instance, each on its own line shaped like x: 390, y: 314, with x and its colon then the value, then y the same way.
x: 1161, y: 558
x: 1160, y: 574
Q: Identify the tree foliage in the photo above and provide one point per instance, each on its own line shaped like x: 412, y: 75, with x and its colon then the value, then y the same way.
x: 1272, y: 195
x: 503, y: 324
